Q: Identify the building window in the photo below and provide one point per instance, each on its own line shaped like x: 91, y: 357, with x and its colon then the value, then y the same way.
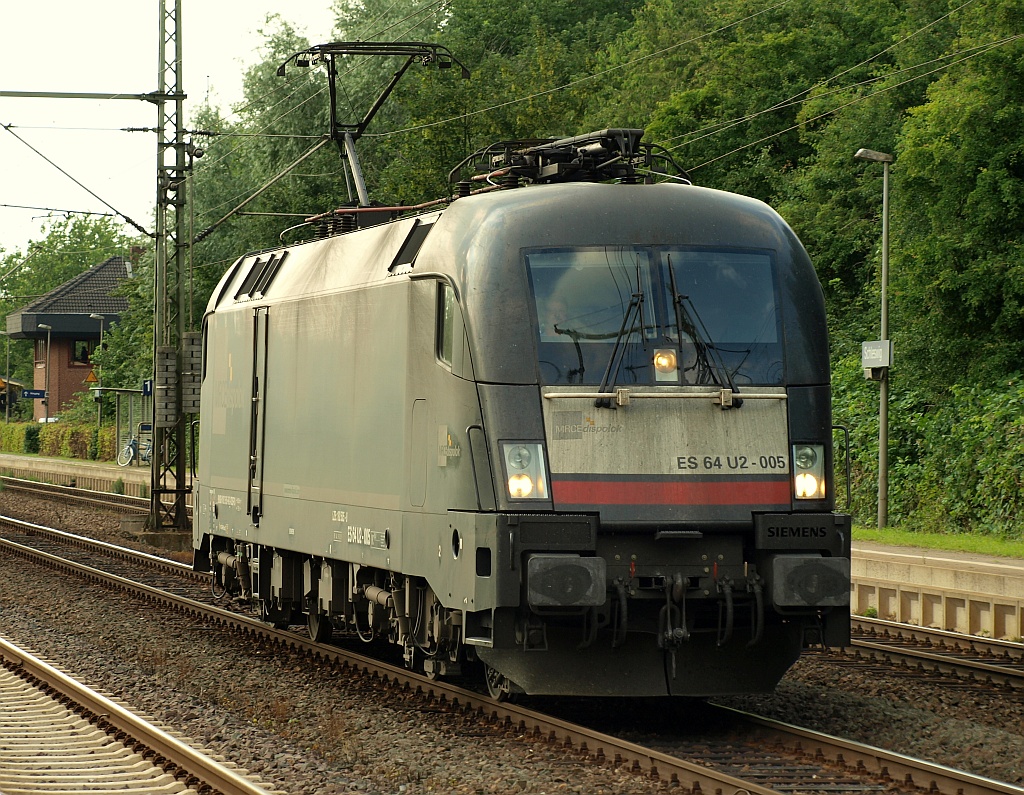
x: 82, y: 350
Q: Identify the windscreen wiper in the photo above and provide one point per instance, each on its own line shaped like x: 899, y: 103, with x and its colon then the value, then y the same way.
x: 633, y: 312
x: 575, y: 337
x: 709, y: 363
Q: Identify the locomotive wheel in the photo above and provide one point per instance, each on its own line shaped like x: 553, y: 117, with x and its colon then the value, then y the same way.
x: 498, y: 686
x: 319, y: 626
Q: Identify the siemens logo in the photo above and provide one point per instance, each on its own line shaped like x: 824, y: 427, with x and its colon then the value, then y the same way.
x: 797, y: 532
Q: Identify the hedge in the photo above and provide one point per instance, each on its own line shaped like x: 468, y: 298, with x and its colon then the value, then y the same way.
x: 60, y: 440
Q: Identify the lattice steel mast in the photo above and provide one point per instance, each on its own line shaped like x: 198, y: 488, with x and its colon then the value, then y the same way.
x: 174, y: 360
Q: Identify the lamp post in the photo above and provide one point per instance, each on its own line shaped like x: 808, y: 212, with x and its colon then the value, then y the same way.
x: 46, y: 382
x: 7, y: 380
x: 99, y: 383
x: 883, y: 400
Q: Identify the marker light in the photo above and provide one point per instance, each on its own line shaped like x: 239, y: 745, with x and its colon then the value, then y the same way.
x: 519, y: 457
x: 525, y: 472
x: 666, y: 367
x: 809, y: 471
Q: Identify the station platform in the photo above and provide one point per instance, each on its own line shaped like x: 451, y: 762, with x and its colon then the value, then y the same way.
x: 134, y: 480
x: 958, y: 591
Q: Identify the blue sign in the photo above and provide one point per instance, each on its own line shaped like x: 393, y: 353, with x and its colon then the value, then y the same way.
x: 33, y: 393
x: 147, y: 387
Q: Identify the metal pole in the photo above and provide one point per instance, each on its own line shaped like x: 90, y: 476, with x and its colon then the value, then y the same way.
x: 7, y: 382
x: 883, y: 399
x: 99, y: 382
x: 46, y: 387
x: 357, y: 172
x: 46, y: 377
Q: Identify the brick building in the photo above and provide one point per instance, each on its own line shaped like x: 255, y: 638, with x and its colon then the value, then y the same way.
x: 70, y: 321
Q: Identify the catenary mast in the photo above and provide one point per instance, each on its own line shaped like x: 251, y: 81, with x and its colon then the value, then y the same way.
x: 175, y: 369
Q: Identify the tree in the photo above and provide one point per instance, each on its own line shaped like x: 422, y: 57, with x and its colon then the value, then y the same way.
x: 68, y: 247
x: 961, y: 230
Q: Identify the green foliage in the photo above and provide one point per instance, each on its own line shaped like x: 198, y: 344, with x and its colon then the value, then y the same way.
x: 64, y: 440
x: 955, y: 465
x: 68, y: 247
x: 31, y: 438
x: 970, y: 468
x: 962, y: 233
x: 106, y: 443
x: 12, y: 437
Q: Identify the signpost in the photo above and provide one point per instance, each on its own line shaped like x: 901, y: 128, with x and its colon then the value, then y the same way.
x: 875, y: 358
x: 38, y: 394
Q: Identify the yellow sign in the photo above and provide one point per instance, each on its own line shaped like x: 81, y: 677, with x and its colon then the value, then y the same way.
x: 91, y: 378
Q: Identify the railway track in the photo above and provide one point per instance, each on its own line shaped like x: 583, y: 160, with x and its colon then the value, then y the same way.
x: 123, y: 503
x: 57, y: 735
x: 755, y: 755
x: 975, y: 661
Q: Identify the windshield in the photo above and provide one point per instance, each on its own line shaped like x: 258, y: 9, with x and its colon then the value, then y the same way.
x: 724, y: 301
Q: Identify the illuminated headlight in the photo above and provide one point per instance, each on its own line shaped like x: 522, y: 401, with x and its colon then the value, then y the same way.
x: 520, y: 486
x: 524, y: 469
x: 665, y: 365
x: 809, y: 471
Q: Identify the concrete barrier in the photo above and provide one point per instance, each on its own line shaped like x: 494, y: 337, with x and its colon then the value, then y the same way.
x: 941, y: 590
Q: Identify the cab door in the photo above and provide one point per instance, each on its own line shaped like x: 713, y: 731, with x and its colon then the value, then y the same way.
x: 258, y: 414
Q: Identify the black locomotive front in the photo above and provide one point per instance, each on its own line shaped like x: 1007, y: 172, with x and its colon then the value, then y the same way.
x: 652, y: 367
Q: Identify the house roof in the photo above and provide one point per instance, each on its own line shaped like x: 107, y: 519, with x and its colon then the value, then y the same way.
x: 67, y: 308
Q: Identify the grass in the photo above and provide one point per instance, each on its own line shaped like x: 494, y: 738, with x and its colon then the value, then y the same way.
x: 977, y: 544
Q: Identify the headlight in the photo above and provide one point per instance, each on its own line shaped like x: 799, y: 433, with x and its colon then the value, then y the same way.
x: 808, y: 487
x: 526, y: 476
x: 666, y: 366
x: 809, y: 471
x: 520, y: 486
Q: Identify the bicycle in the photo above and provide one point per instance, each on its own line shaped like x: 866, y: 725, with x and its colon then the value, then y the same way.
x: 132, y: 451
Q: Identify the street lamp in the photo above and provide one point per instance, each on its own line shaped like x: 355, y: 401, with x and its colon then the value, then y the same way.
x: 99, y: 383
x: 7, y: 380
x: 883, y: 400
x: 46, y: 385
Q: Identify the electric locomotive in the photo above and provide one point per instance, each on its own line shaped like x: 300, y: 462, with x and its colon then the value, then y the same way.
x: 576, y: 434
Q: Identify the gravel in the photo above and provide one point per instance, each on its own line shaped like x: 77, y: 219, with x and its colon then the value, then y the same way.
x: 305, y: 729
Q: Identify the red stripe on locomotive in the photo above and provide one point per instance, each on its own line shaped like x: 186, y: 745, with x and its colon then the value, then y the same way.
x: 635, y: 492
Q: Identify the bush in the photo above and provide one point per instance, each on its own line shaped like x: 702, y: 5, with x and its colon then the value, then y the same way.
x: 12, y: 437
x: 956, y: 465
x: 60, y: 439
x: 969, y: 476
x: 64, y: 440
x: 106, y: 444
x: 31, y: 438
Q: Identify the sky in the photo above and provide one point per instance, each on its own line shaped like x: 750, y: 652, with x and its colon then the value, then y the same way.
x: 111, y: 46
